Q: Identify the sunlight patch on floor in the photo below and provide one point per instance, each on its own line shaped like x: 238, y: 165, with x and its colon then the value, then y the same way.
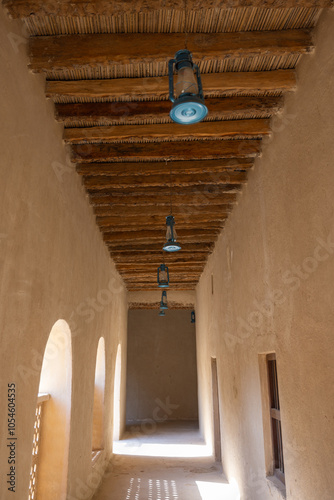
x: 161, y: 449
x: 218, y: 491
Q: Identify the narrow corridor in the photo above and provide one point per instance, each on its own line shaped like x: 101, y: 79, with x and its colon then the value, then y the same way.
x: 171, y: 463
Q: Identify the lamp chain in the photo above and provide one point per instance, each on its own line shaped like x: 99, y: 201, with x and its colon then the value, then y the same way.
x: 171, y: 198
x: 185, y: 24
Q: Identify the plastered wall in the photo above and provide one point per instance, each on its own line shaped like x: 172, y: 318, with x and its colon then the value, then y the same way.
x: 53, y: 265
x: 161, y: 367
x: 273, y: 281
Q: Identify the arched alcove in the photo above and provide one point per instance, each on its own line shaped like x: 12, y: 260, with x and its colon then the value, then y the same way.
x: 55, y: 380
x: 98, y: 408
x: 117, y: 395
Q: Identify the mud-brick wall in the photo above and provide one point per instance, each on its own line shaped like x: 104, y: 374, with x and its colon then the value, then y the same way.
x: 161, y: 366
x: 273, y: 282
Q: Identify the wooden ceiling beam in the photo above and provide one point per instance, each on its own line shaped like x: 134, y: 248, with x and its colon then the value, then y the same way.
x: 206, y: 193
x: 177, y: 150
x: 186, y: 214
x: 169, y: 131
x: 150, y: 287
x: 104, y: 182
x: 223, y: 84
x: 160, y: 168
x: 156, y: 256
x: 185, y: 202
x: 131, y: 225
x: 156, y: 305
x: 155, y: 259
x: 75, y: 8
x: 103, y: 208
x: 152, y: 272
x: 134, y: 242
x: 182, y: 213
x: 155, y: 264
x: 186, y: 265
x: 152, y: 277
x: 156, y: 247
x: 203, y: 215
x: 157, y: 234
x: 64, y: 52
x: 132, y: 287
x: 143, y: 266
x: 152, y: 280
x: 107, y: 113
x: 203, y: 193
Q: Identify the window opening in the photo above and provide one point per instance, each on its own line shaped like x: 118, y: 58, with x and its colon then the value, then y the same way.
x: 275, y: 415
x: 35, y: 448
x: 98, y: 405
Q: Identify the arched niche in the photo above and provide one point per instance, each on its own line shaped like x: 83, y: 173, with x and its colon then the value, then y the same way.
x: 98, y: 407
x: 55, y: 380
x: 117, y: 395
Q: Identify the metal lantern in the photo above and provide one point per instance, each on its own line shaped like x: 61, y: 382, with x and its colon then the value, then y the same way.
x: 162, y: 312
x: 163, y: 276
x: 171, y: 236
x: 163, y: 302
x: 193, y: 319
x: 187, y: 97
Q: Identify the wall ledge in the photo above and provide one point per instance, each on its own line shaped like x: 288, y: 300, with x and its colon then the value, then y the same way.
x: 276, y: 487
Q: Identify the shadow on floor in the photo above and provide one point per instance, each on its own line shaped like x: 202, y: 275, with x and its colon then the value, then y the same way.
x: 171, y: 463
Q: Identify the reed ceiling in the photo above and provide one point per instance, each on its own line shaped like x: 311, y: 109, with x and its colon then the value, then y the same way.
x: 105, y: 65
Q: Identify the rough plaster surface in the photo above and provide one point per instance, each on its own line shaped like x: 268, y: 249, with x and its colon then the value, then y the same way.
x: 161, y: 364
x: 53, y: 266
x: 273, y: 291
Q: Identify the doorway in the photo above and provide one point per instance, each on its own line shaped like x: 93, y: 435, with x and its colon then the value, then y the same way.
x: 216, y: 412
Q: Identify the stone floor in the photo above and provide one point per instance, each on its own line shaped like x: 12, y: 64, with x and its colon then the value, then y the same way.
x: 166, y: 462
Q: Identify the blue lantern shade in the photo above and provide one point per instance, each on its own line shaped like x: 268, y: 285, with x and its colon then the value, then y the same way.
x: 171, y: 245
x: 187, y: 97
x: 162, y: 312
x: 163, y: 276
x: 193, y: 319
x: 163, y: 302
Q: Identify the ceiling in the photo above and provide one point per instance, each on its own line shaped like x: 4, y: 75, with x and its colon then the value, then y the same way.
x: 105, y: 65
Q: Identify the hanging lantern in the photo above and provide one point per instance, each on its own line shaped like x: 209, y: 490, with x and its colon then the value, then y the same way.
x: 163, y: 276
x: 163, y: 302
x: 187, y: 97
x: 162, y: 312
x: 193, y: 319
x: 171, y: 236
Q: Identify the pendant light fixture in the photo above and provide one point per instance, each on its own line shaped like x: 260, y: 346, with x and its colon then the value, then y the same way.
x: 187, y: 97
x: 171, y: 245
x: 193, y: 318
x: 163, y: 276
x: 163, y: 302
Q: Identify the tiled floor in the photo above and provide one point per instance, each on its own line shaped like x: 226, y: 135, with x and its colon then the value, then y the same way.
x: 169, y: 462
